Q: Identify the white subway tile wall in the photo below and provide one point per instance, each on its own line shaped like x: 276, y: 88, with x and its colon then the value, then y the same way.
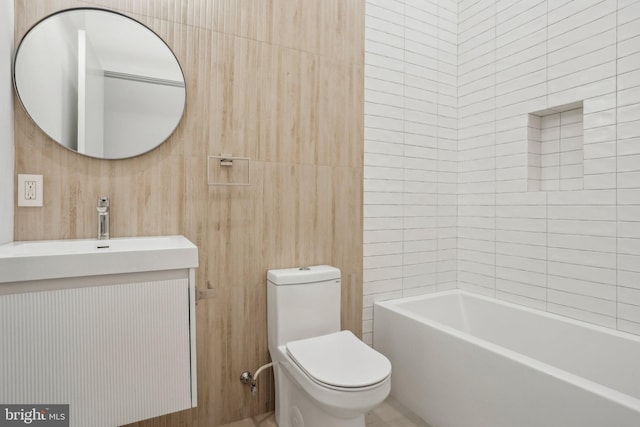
x: 627, y: 168
x: 455, y: 158
x: 410, y: 173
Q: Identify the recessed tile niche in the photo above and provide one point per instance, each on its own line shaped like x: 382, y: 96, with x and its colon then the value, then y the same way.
x: 555, y: 148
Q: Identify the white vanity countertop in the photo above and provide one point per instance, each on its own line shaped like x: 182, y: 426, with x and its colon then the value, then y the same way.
x: 54, y: 259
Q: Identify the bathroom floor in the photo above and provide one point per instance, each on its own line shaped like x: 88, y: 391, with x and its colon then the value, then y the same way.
x: 388, y: 414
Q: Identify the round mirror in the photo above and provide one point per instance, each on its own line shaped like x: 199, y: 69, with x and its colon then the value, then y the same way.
x: 99, y: 83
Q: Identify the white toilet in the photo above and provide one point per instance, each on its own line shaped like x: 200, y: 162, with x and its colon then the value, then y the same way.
x: 324, y: 377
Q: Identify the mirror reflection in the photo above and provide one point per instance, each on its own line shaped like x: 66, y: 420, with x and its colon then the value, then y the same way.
x: 99, y: 83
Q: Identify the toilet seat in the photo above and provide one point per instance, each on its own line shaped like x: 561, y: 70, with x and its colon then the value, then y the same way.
x: 339, y: 361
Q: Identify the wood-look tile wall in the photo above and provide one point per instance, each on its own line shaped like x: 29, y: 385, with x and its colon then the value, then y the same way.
x: 279, y: 81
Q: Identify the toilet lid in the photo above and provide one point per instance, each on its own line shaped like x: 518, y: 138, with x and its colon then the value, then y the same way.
x: 339, y: 359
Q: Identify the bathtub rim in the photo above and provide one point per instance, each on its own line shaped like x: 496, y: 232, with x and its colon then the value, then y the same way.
x: 600, y: 390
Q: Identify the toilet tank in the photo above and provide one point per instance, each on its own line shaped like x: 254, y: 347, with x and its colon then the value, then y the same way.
x: 302, y: 303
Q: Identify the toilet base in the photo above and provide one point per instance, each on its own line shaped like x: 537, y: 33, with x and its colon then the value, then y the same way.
x: 302, y: 412
x: 296, y: 408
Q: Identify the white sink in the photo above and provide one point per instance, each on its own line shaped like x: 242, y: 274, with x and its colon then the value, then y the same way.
x: 52, y: 259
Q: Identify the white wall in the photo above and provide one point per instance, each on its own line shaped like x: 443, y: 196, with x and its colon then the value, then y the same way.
x: 6, y: 122
x: 575, y: 250
x: 410, y: 150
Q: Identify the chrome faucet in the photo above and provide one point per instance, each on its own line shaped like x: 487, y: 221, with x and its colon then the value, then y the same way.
x: 103, y: 218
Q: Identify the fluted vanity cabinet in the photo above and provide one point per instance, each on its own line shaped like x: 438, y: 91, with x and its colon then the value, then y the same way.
x: 107, y: 327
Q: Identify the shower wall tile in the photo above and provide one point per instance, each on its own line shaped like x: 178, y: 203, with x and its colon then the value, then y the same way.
x: 520, y: 267
x: 410, y: 158
x: 476, y: 148
x: 573, y: 249
x: 384, y: 155
x: 628, y: 168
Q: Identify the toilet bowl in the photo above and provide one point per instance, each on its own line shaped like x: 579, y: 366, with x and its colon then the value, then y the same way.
x: 338, y: 373
x: 324, y: 377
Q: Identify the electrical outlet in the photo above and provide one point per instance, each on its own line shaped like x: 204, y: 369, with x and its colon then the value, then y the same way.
x: 30, y: 190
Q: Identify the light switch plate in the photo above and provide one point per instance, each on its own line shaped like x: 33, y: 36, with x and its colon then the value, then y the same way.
x: 30, y: 190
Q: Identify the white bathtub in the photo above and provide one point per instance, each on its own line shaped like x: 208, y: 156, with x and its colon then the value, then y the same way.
x: 463, y: 360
